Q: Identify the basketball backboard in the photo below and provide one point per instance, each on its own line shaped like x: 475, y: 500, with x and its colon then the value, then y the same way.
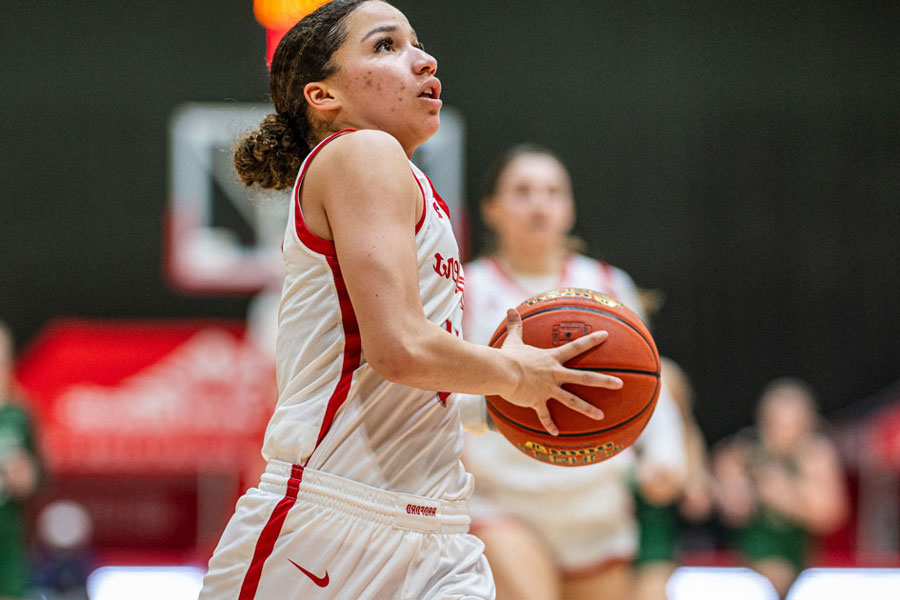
x: 223, y: 237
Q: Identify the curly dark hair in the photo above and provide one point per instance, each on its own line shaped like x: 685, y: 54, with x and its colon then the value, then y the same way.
x: 272, y: 155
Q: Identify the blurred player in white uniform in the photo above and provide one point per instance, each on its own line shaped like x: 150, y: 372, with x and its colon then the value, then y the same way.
x: 364, y: 495
x: 550, y: 532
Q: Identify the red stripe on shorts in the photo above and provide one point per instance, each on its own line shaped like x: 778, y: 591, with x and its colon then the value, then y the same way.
x: 352, y: 353
x: 266, y: 542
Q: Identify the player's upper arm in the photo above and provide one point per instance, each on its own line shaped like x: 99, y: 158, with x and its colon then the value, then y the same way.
x: 629, y: 294
x: 371, y: 199
x: 662, y: 441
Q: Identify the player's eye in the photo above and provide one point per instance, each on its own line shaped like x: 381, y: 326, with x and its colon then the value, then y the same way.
x: 420, y: 46
x: 522, y: 191
x: 384, y: 44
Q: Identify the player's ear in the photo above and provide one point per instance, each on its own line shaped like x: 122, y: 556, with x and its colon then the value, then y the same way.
x: 321, y: 96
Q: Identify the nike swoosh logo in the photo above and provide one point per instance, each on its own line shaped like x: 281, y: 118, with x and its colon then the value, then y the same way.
x: 319, y: 581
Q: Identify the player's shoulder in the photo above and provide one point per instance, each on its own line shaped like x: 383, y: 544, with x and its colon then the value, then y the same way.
x: 585, y: 264
x: 364, y: 145
x: 580, y: 261
x: 819, y: 447
x: 478, y: 264
x: 478, y: 269
x: 363, y: 159
x: 596, y: 263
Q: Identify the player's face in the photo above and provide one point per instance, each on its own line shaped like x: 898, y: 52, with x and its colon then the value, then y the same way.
x: 786, y: 417
x: 385, y: 80
x: 532, y: 207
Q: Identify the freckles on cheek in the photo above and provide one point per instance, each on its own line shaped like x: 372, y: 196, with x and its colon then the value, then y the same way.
x: 401, y: 91
x: 369, y: 82
x: 364, y: 81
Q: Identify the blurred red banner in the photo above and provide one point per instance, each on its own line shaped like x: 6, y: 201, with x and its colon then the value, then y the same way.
x: 148, y: 396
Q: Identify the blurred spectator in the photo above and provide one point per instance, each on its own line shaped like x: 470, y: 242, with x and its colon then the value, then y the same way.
x: 62, y: 559
x: 19, y: 477
x: 661, y: 506
x: 779, y: 482
x: 551, y: 532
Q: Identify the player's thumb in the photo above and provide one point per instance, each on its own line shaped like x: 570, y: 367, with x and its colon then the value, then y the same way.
x: 513, y: 327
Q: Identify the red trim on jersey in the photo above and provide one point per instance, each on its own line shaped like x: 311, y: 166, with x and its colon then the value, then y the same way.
x: 606, y: 274
x: 320, y: 244
x: 269, y: 535
x: 512, y: 282
x: 424, y: 201
x: 352, y: 351
x: 310, y: 239
x: 437, y: 196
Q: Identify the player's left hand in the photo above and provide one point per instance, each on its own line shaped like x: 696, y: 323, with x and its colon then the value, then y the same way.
x: 542, y: 374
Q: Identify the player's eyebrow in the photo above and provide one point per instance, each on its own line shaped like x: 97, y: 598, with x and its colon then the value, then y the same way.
x: 382, y: 29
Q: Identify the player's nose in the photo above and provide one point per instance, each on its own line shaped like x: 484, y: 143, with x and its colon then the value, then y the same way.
x: 424, y: 63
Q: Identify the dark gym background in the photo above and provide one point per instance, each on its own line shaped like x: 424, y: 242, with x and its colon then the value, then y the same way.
x: 744, y: 159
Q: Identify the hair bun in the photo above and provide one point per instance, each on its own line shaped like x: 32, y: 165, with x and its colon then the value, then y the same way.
x: 270, y: 156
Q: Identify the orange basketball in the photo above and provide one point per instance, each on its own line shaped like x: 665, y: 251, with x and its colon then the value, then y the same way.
x: 554, y: 318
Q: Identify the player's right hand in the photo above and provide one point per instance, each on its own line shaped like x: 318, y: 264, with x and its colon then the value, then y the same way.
x: 541, y: 373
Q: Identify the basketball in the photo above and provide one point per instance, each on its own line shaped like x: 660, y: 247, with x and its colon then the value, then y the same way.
x: 554, y: 318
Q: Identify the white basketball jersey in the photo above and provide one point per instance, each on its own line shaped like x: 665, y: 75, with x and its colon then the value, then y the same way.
x: 496, y: 464
x: 334, y: 412
x: 494, y: 288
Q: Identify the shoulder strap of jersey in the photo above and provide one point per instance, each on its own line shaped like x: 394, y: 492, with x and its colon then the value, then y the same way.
x: 307, y: 237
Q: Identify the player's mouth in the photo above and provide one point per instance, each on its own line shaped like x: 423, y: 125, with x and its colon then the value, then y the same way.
x: 431, y: 92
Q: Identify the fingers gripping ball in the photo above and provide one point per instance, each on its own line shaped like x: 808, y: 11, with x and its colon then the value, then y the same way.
x: 560, y: 316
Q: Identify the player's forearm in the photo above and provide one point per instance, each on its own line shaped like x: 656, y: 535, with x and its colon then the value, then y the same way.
x: 433, y: 359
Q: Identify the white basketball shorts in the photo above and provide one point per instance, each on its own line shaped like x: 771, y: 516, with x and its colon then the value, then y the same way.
x: 308, y: 534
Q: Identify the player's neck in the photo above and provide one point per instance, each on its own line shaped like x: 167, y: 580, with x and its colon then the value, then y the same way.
x: 529, y: 262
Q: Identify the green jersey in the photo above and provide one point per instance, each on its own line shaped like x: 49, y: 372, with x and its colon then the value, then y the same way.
x: 16, y: 434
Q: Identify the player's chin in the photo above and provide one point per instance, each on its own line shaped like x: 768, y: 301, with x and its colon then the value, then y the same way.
x: 429, y: 127
x: 433, y: 121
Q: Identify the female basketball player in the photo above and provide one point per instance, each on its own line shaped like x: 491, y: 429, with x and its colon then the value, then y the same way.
x: 780, y: 482
x: 661, y: 519
x: 20, y: 477
x: 550, y: 532
x: 364, y: 495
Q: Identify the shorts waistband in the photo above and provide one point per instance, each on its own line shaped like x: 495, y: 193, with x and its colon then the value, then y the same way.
x: 403, y: 511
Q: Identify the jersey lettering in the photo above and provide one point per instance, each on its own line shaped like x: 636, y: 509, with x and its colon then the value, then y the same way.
x: 450, y: 269
x: 425, y: 511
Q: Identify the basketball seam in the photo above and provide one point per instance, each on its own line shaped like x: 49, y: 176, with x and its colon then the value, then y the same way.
x: 616, y: 370
x: 593, y: 310
x: 579, y: 435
